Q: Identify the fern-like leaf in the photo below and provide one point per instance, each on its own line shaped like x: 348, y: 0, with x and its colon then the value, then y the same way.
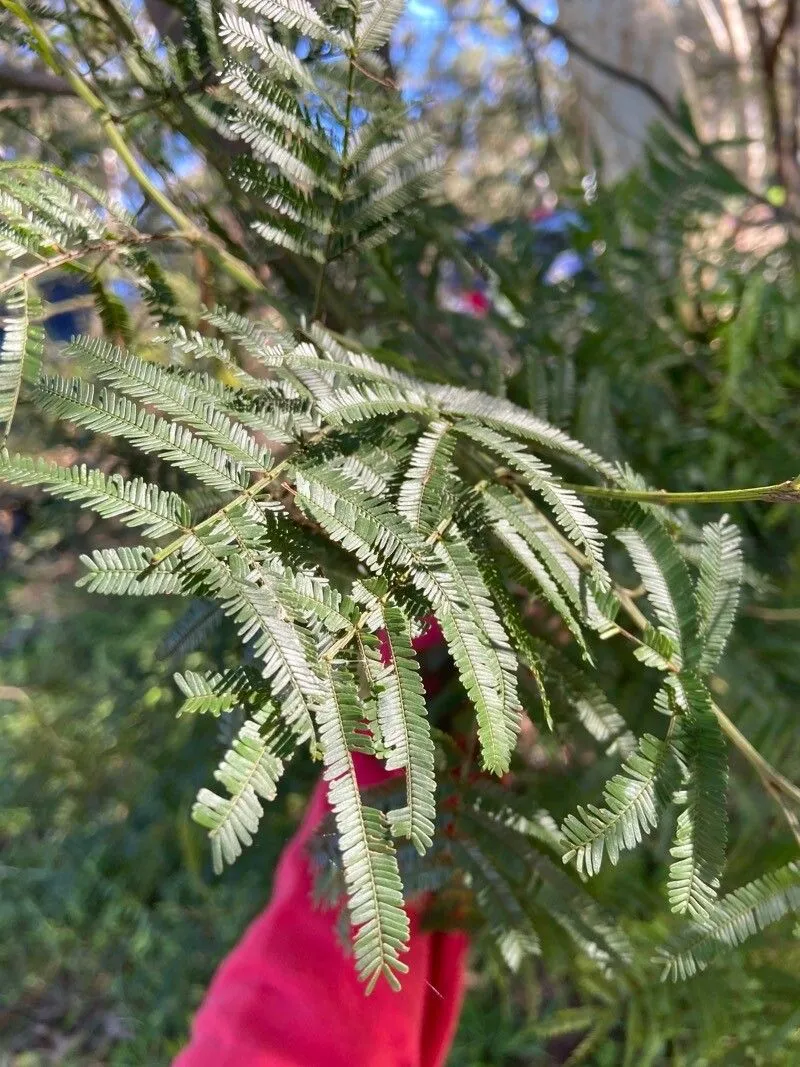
x: 241, y: 35
x: 20, y: 338
x: 249, y: 771
x: 129, y: 572
x: 182, y: 397
x: 633, y: 800
x: 215, y: 693
x: 698, y: 851
x: 403, y: 722
x: 423, y: 496
x: 568, y: 510
x: 295, y: 15
x: 374, y: 889
x: 666, y: 579
x: 371, y: 530
x: 376, y: 20
x: 721, y: 573
x: 75, y: 401
x: 482, y: 653
x: 510, y: 419
x: 737, y: 917
x: 136, y: 503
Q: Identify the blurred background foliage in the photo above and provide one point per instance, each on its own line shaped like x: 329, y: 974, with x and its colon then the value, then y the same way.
x: 621, y: 212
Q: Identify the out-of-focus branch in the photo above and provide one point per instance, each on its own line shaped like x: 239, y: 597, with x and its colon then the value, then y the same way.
x: 657, y: 98
x: 786, y: 167
x: 787, y: 22
x: 71, y: 255
x: 33, y: 82
x: 662, y: 105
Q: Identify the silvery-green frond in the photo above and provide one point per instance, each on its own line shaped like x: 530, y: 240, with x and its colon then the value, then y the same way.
x: 249, y: 773
x: 721, y: 574
x: 372, y: 877
x: 633, y: 800
x: 735, y: 918
x: 698, y: 851
x: 129, y: 571
x: 22, y: 340
x: 136, y: 503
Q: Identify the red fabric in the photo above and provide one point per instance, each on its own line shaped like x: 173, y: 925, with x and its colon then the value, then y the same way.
x: 288, y: 995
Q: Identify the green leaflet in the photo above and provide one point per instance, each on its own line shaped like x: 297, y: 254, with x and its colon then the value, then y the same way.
x: 372, y: 877
x: 215, y: 693
x: 424, y: 494
x: 293, y: 14
x: 183, y: 397
x: 592, y: 706
x: 129, y: 572
x: 507, y: 511
x: 548, y: 893
x: 285, y: 652
x: 403, y: 722
x: 322, y: 197
x: 247, y: 594
x: 698, y: 851
x: 360, y: 403
x: 532, y: 567
x: 633, y: 800
x: 239, y: 34
x: 721, y: 573
x: 136, y: 503
x: 308, y: 596
x: 507, y: 418
x: 190, y: 630
x: 249, y: 771
x: 482, y: 653
x: 736, y: 917
x: 371, y: 530
x: 75, y: 401
x: 21, y: 338
x: 376, y: 20
x: 523, y: 641
x: 666, y: 579
x: 568, y: 510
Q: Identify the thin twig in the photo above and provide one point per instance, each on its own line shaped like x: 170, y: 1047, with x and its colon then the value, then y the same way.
x: 108, y: 244
x: 783, y: 492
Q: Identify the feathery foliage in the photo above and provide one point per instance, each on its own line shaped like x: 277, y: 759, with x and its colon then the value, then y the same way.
x: 21, y: 339
x: 393, y: 503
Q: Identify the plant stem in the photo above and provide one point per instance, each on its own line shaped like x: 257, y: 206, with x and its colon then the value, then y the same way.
x: 774, y: 780
x: 343, y: 168
x: 69, y: 256
x: 255, y: 490
x: 782, y: 492
x: 773, y: 614
x: 238, y: 270
x: 776, y: 784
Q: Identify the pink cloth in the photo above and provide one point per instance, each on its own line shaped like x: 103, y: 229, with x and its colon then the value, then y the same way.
x: 288, y: 995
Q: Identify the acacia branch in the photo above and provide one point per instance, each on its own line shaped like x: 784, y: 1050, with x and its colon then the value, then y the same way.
x: 787, y: 22
x: 770, y: 57
x: 63, y: 68
x: 782, y: 492
x: 108, y: 244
